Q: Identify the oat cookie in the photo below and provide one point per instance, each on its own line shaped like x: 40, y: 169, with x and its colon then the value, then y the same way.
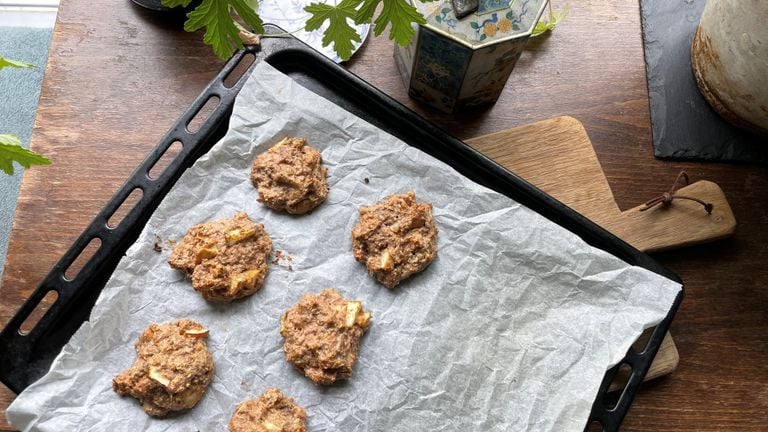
x: 271, y: 412
x: 322, y: 335
x: 172, y: 368
x: 290, y: 177
x: 226, y: 259
x: 395, y: 238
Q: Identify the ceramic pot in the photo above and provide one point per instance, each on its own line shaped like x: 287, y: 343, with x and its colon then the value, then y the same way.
x: 730, y: 61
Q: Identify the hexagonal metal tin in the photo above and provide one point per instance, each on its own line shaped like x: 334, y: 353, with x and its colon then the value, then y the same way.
x: 455, y: 64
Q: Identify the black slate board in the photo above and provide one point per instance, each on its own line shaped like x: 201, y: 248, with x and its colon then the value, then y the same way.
x: 684, y: 125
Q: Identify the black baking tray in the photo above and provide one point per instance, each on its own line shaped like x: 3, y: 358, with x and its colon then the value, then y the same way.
x: 25, y: 357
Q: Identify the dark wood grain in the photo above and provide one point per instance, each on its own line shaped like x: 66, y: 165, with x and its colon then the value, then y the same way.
x: 119, y: 76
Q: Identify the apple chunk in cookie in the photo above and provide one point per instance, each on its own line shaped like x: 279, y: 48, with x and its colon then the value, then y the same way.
x: 271, y: 412
x: 226, y: 259
x: 290, y: 177
x: 322, y: 335
x: 395, y: 238
x: 173, y: 367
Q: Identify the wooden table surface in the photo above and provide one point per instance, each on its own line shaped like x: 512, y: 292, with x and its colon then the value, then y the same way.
x: 118, y: 76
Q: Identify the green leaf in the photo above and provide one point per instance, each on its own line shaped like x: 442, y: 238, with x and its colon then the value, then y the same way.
x: 253, y: 4
x: 221, y: 33
x: 398, y: 15
x: 474, y: 25
x: 365, y: 13
x: 4, y: 62
x: 248, y: 13
x: 11, y: 151
x: 339, y: 32
x: 555, y: 18
x: 176, y: 3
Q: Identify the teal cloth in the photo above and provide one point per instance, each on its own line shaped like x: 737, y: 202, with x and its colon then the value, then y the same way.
x: 19, y: 95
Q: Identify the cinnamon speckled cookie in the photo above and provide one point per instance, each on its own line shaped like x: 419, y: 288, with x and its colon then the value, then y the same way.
x: 173, y: 367
x: 226, y: 259
x: 290, y: 177
x: 271, y: 412
x: 395, y: 238
x: 322, y: 335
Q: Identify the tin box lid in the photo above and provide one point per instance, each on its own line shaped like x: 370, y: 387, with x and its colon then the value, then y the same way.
x: 494, y: 20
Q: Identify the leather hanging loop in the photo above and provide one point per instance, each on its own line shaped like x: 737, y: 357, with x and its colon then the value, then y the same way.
x: 666, y: 198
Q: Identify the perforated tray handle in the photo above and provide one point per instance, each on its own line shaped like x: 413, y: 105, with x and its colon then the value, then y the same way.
x: 610, y: 416
x: 21, y: 352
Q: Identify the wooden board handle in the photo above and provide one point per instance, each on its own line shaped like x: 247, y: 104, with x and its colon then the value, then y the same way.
x: 681, y: 223
x: 557, y: 156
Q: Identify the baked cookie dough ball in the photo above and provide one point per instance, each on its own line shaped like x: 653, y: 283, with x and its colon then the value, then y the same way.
x: 172, y: 368
x: 395, y: 238
x: 322, y: 335
x: 290, y: 177
x: 271, y: 412
x: 226, y: 259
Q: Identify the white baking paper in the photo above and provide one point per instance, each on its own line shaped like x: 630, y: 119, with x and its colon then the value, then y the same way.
x: 511, y: 328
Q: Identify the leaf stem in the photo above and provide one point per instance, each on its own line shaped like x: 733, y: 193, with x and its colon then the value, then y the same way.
x: 248, y: 37
x: 286, y: 34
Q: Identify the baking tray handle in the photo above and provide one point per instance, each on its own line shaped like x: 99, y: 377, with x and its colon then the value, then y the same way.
x: 20, y: 351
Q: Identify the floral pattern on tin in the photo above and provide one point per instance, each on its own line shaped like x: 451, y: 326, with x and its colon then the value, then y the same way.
x: 440, y: 63
x: 494, y: 19
x: 500, y: 68
x: 404, y: 56
x: 492, y: 26
x: 488, y: 73
x: 466, y: 63
x: 431, y: 97
x: 446, y: 18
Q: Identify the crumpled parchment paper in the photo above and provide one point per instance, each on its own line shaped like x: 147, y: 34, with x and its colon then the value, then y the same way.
x: 511, y: 328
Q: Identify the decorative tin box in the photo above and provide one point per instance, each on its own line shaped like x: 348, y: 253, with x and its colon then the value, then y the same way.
x: 454, y: 64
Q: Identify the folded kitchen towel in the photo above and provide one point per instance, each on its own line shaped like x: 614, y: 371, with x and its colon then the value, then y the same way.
x: 19, y: 95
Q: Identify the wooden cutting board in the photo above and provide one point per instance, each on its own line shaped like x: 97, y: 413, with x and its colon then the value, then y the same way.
x: 557, y: 156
